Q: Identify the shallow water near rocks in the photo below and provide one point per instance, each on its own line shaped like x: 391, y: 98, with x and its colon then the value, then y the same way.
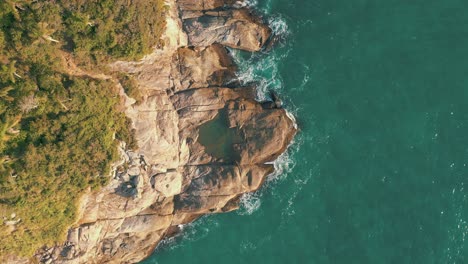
x: 219, y: 139
x: 380, y: 92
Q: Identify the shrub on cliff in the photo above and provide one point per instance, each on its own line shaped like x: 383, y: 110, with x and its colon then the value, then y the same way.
x: 58, y: 130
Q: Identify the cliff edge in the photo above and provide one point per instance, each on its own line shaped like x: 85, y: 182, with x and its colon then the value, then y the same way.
x: 203, y: 140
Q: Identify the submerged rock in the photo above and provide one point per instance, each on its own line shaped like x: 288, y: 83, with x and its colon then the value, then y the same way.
x: 203, y: 139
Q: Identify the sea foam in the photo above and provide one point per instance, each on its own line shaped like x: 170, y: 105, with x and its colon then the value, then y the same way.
x: 245, y: 3
x: 262, y: 69
x: 249, y: 203
x: 189, y: 232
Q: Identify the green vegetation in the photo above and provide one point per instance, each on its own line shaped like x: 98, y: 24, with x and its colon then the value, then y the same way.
x: 130, y: 87
x: 59, y: 132
x: 97, y: 30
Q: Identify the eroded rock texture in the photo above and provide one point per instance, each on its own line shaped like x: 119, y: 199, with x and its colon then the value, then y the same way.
x: 203, y: 140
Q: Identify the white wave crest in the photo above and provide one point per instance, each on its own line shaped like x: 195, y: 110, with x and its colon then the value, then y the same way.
x: 262, y: 69
x: 278, y: 25
x: 293, y: 118
x: 245, y: 3
x: 249, y: 203
x: 189, y: 232
x: 283, y: 165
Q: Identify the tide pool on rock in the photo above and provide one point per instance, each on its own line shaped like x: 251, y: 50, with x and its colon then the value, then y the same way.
x: 219, y: 139
x: 379, y: 89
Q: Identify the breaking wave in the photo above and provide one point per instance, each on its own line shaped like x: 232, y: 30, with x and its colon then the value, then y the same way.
x: 249, y: 203
x: 279, y: 26
x: 245, y: 3
x: 262, y: 69
x: 193, y: 231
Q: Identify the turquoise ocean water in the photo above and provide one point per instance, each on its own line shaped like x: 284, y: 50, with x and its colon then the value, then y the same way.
x: 378, y: 172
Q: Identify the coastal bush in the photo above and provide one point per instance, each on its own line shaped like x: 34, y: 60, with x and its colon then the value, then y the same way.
x: 59, y: 131
x: 130, y: 87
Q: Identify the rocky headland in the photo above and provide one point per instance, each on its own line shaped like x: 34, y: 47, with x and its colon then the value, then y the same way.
x: 203, y: 140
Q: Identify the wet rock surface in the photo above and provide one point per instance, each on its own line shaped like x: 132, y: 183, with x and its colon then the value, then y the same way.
x: 174, y: 176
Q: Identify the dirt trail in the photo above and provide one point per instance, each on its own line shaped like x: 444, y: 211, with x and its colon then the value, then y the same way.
x: 72, y: 69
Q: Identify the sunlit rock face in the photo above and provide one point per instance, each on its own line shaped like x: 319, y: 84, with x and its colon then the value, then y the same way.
x: 203, y: 140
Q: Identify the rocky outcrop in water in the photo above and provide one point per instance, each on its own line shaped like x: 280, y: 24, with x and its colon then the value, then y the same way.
x: 203, y: 140
x: 235, y: 28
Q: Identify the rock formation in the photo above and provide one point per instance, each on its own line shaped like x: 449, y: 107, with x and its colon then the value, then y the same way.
x: 203, y: 140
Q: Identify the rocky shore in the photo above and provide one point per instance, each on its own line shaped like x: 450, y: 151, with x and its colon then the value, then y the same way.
x: 190, y: 96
